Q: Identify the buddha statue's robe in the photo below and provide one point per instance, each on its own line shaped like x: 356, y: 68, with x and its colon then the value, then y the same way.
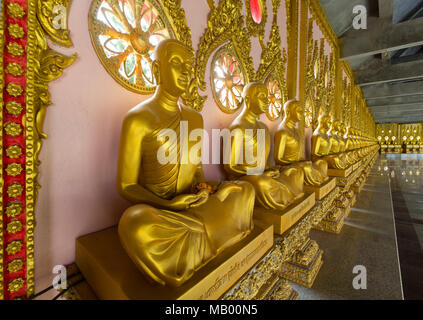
x: 271, y: 192
x: 170, y: 245
x: 334, y: 159
x: 289, y: 154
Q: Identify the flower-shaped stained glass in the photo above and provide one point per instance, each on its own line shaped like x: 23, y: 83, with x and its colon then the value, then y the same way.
x: 308, y: 114
x: 227, y: 81
x: 125, y: 34
x: 275, y: 99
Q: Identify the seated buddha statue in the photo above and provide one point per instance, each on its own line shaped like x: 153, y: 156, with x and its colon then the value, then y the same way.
x: 320, y: 141
x: 287, y: 149
x: 335, y: 159
x: 343, y: 145
x: 274, y: 189
x: 350, y: 146
x: 175, y: 226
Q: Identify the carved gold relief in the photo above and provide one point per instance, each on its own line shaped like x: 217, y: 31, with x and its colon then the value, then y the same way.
x: 14, y: 190
x: 15, y: 10
x: 13, y: 209
x: 15, y: 285
x: 16, y: 31
x: 15, y: 49
x: 14, y: 108
x: 14, y: 69
x: 14, y: 247
x: 14, y: 151
x: 13, y: 129
x: 14, y: 89
x: 256, y: 17
x: 14, y: 226
x: 14, y: 169
x: 225, y: 24
x: 15, y: 265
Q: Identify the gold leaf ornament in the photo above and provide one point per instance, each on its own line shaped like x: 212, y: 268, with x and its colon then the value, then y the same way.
x: 14, y: 89
x: 14, y: 190
x: 14, y: 209
x: 13, y: 129
x: 15, y: 265
x: 14, y: 247
x: 14, y: 169
x: 14, y: 226
x: 15, y: 10
x: 15, y: 285
x: 14, y: 108
x: 14, y: 152
x: 15, y: 49
x: 15, y: 69
x: 16, y: 31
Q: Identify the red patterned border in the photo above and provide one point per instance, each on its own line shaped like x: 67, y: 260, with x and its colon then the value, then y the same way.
x: 13, y: 149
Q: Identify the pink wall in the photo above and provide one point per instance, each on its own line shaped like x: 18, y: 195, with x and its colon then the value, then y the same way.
x: 77, y: 174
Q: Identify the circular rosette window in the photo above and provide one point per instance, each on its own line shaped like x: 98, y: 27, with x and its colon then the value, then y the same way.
x: 124, y: 34
x: 275, y: 98
x: 227, y: 80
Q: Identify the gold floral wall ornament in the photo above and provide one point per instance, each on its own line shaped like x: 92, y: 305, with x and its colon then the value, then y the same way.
x: 14, y: 169
x: 14, y: 190
x: 14, y: 209
x: 14, y: 108
x: 14, y: 226
x: 13, y: 129
x: 225, y: 24
x: 15, y: 265
x: 16, y: 31
x: 14, y: 151
x: 124, y: 34
x: 15, y: 69
x: 14, y: 247
x: 227, y: 79
x: 15, y: 10
x: 256, y: 17
x: 14, y: 89
x: 15, y: 49
x: 15, y: 285
x: 272, y: 71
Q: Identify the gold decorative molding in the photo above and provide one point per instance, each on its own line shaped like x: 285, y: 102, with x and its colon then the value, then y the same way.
x: 225, y: 24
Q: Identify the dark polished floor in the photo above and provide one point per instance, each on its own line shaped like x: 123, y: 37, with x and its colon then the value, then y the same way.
x: 406, y: 179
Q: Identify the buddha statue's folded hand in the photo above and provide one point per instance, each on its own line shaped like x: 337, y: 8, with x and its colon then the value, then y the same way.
x: 272, y: 173
x: 185, y: 201
x: 225, y: 189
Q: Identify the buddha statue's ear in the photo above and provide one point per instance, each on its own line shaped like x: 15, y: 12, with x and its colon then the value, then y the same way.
x: 155, y: 68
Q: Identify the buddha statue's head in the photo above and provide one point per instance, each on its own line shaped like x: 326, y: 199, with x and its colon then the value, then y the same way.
x: 293, y: 111
x: 256, y: 97
x: 324, y: 121
x: 172, y: 66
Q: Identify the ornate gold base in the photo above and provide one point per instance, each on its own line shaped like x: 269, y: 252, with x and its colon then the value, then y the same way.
x: 282, y: 291
x: 285, y: 219
x: 112, y: 275
x: 334, y: 221
x: 304, y: 266
x: 357, y: 165
x: 323, y: 190
x: 343, y: 173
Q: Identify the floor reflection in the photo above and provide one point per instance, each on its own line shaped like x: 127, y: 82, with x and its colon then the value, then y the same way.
x: 405, y: 172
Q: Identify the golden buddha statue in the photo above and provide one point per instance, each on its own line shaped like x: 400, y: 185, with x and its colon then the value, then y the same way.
x: 335, y: 159
x: 343, y: 144
x: 173, y: 231
x: 320, y: 141
x: 350, y: 146
x: 287, y: 149
x: 274, y: 189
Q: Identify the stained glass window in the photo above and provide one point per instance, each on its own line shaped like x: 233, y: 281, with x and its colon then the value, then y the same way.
x: 275, y: 99
x: 227, y: 81
x: 125, y: 34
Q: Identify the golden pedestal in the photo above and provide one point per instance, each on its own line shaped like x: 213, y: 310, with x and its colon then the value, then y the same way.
x: 323, y: 190
x: 334, y: 220
x: 304, y: 266
x: 277, y: 288
x: 285, y: 219
x: 112, y: 275
x: 357, y: 165
x: 343, y: 173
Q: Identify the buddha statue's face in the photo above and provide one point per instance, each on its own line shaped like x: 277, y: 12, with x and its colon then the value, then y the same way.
x: 174, y: 64
x: 293, y: 111
x: 257, y: 97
